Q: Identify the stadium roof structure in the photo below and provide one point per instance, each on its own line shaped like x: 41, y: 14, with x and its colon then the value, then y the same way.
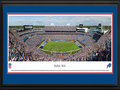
x: 60, y: 28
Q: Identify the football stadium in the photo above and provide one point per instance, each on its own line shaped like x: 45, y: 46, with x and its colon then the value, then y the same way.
x: 59, y: 43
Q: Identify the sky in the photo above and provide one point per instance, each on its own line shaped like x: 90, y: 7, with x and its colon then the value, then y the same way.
x: 58, y: 20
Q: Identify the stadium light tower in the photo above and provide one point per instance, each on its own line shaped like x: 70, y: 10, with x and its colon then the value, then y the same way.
x: 100, y: 26
x: 81, y: 25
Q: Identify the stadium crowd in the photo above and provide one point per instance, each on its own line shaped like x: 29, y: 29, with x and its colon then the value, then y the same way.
x: 60, y: 28
x: 27, y: 51
x: 100, y: 51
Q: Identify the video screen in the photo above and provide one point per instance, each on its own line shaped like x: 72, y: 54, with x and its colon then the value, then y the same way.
x: 44, y: 39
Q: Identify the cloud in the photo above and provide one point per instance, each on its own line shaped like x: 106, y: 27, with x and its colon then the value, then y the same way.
x: 52, y: 24
x: 68, y: 24
x: 59, y: 20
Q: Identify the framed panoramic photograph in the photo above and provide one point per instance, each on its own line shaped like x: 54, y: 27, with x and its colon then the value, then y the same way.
x: 56, y: 44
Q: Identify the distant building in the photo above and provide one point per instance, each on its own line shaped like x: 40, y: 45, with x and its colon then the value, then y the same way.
x: 28, y: 27
x: 81, y: 29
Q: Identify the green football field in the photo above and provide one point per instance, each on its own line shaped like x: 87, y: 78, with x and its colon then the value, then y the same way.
x: 60, y: 46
